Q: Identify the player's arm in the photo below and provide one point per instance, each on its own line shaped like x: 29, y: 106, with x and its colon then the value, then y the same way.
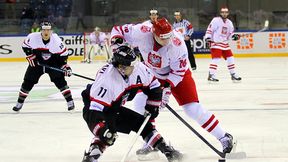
x: 121, y: 34
x: 27, y: 49
x: 189, y: 29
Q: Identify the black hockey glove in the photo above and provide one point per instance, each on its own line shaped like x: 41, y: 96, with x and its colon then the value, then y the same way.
x: 31, y: 60
x: 208, y: 42
x: 235, y: 37
x: 153, y: 110
x: 107, y: 136
x: 67, y: 70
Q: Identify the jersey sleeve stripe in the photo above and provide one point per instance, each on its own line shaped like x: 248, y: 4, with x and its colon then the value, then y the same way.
x: 100, y: 102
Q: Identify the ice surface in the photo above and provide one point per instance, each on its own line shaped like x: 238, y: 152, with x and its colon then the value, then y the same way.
x: 254, y: 111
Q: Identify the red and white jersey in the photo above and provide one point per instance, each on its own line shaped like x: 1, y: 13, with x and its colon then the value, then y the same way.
x: 168, y: 62
x: 111, y: 89
x: 220, y: 31
x: 100, y: 39
x: 54, y: 46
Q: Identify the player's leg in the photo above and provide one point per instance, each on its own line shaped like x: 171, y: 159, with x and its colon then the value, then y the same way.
x: 216, y: 57
x: 58, y: 79
x: 146, y: 152
x: 131, y: 121
x: 191, y: 55
x: 227, y: 54
x: 31, y: 78
x: 197, y: 112
x: 90, y: 53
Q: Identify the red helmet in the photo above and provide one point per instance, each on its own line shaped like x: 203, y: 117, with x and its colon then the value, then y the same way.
x: 162, y: 28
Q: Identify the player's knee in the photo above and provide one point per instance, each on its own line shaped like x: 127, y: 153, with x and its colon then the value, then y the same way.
x: 27, y: 85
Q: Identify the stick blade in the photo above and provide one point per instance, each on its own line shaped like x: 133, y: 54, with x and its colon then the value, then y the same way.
x: 236, y: 155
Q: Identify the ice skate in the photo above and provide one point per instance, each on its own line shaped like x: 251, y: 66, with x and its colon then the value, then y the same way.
x: 227, y: 142
x: 171, y: 154
x: 93, y: 154
x: 70, y: 105
x: 235, y: 78
x: 147, y: 153
x: 18, y: 107
x: 212, y: 79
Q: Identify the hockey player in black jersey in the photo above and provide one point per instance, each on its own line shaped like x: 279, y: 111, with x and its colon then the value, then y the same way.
x: 46, y: 48
x: 104, y: 111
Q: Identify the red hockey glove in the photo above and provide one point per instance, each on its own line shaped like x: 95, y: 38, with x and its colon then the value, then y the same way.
x: 67, y: 70
x: 31, y: 59
x: 235, y: 37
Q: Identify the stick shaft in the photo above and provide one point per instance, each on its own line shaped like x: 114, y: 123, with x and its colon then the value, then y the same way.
x: 221, y: 154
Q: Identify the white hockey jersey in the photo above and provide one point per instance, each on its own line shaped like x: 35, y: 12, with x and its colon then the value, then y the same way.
x: 110, y: 88
x: 220, y: 32
x: 55, y: 45
x: 168, y: 62
x: 100, y: 39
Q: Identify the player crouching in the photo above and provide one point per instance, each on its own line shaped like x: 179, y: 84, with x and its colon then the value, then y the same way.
x: 105, y: 114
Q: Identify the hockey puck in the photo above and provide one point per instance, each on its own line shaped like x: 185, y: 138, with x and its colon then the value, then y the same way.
x: 221, y: 160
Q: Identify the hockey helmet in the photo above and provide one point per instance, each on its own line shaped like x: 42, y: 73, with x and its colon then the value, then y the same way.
x: 224, y: 9
x: 123, y: 55
x: 45, y: 25
x: 153, y: 12
x: 97, y: 29
x: 162, y: 28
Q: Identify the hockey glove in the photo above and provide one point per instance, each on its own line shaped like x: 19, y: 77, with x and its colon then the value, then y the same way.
x: 165, y: 97
x: 208, y: 42
x: 31, y: 60
x: 235, y: 37
x: 107, y: 136
x: 153, y: 110
x: 67, y: 70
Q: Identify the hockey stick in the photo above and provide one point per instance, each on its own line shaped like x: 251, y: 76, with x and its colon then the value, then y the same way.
x: 63, y: 71
x: 236, y: 155
x: 266, y: 25
x: 136, y: 136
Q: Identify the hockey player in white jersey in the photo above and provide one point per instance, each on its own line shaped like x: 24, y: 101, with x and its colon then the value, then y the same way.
x: 97, y: 41
x: 165, y: 53
x: 105, y: 114
x: 218, y: 34
x: 46, y: 48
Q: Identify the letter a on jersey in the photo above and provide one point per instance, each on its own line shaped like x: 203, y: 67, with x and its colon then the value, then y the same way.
x: 138, y: 81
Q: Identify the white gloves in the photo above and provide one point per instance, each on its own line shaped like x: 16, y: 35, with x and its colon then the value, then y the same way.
x: 165, y: 97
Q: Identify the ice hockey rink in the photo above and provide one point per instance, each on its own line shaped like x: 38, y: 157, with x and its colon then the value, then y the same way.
x: 254, y: 111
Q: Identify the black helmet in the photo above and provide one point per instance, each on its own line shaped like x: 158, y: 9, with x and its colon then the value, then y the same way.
x: 45, y: 25
x: 123, y: 55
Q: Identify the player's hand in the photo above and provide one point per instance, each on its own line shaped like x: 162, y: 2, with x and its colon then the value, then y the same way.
x: 31, y: 59
x: 67, y: 70
x: 208, y: 42
x: 153, y: 110
x: 235, y: 37
x: 165, y: 97
x: 108, y: 137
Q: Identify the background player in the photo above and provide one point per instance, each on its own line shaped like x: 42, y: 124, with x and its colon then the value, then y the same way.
x: 218, y: 33
x: 103, y: 104
x: 46, y: 48
x: 165, y: 53
x: 186, y: 28
x: 97, y: 42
